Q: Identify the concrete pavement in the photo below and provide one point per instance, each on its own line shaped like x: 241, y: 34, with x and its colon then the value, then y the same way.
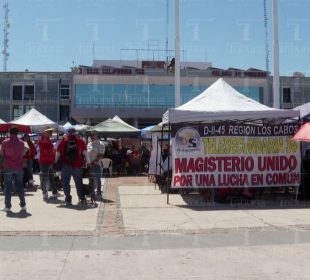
x: 134, y: 234
x: 132, y: 205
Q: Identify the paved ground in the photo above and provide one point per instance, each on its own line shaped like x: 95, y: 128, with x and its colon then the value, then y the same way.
x: 134, y: 234
x: 132, y: 205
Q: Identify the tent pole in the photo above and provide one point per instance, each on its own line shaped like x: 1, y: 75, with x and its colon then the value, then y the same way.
x: 301, y: 170
x: 156, y: 161
x: 168, y: 174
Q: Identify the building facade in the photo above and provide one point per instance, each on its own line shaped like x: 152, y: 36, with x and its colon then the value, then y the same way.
x: 48, y: 92
x: 140, y: 95
x: 138, y: 92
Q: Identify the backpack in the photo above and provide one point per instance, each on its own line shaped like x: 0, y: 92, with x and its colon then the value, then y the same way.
x: 71, y: 151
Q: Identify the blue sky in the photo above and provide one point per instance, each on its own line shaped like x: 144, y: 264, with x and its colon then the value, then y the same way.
x: 52, y: 35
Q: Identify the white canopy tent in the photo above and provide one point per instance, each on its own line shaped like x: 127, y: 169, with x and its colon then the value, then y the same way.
x: 67, y: 125
x: 222, y: 102
x: 118, y: 119
x: 77, y: 127
x: 304, y: 110
x: 37, y: 121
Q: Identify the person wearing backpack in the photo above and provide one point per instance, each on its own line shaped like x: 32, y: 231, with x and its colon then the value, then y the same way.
x: 72, y: 152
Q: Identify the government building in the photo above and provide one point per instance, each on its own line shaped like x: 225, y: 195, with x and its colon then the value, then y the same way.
x: 139, y: 92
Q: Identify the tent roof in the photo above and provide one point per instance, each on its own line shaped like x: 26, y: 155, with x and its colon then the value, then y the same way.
x: 4, y: 127
x: 303, y: 133
x: 118, y: 119
x: 67, y: 125
x: 77, y: 127
x: 304, y: 110
x: 220, y: 101
x: 36, y: 120
x: 146, y: 132
x: 2, y: 121
x: 159, y: 128
x: 113, y: 128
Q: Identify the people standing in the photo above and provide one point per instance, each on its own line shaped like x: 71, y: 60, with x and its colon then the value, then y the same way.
x: 36, y: 166
x: 95, y: 151
x: 13, y: 149
x: 28, y: 159
x: 72, y: 152
x: 46, y: 162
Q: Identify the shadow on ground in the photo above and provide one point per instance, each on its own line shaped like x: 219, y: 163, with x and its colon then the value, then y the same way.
x: 19, y: 215
x: 198, y: 203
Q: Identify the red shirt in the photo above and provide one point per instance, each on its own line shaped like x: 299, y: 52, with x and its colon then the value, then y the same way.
x: 31, y: 152
x: 13, y: 152
x: 47, y: 153
x: 81, y: 146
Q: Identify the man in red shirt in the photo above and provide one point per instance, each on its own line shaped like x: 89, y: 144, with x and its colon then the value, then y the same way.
x: 12, y: 150
x: 46, y: 161
x: 72, y: 152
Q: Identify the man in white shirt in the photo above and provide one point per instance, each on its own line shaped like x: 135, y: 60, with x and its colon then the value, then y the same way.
x: 95, y: 151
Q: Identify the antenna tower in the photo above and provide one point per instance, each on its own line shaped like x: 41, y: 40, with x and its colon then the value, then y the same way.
x: 5, y: 51
x: 167, y: 29
x: 266, y: 36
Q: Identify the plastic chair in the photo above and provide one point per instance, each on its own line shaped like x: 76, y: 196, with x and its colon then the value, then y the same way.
x: 107, y: 164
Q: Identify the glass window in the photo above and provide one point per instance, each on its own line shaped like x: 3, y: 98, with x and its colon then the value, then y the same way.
x: 29, y: 92
x: 27, y: 108
x: 64, y: 112
x: 144, y: 96
x: 17, y: 111
x: 92, y: 71
x: 286, y: 95
x: 65, y: 92
x: 17, y: 92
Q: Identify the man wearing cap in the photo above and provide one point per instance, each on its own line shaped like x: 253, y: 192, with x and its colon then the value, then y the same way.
x: 13, y: 150
x: 95, y: 151
x: 72, y: 151
x: 46, y: 162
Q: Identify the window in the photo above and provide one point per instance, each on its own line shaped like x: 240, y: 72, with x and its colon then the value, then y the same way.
x: 65, y: 92
x: 27, y: 108
x: 64, y: 112
x: 286, y: 92
x: 17, y: 111
x: 92, y: 71
x: 29, y: 92
x: 17, y: 92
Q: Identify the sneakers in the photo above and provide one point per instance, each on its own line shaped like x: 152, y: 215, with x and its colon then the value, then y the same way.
x: 23, y: 208
x: 99, y: 196
x: 58, y: 194
x: 82, y: 202
x: 31, y: 184
x: 68, y: 203
x: 45, y: 196
x: 5, y: 209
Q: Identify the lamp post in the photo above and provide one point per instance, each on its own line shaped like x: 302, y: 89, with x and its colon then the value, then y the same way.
x: 276, y: 79
x: 177, y: 55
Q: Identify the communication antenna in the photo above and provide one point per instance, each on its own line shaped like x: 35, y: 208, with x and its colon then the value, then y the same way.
x: 266, y: 36
x: 167, y: 29
x: 5, y: 51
